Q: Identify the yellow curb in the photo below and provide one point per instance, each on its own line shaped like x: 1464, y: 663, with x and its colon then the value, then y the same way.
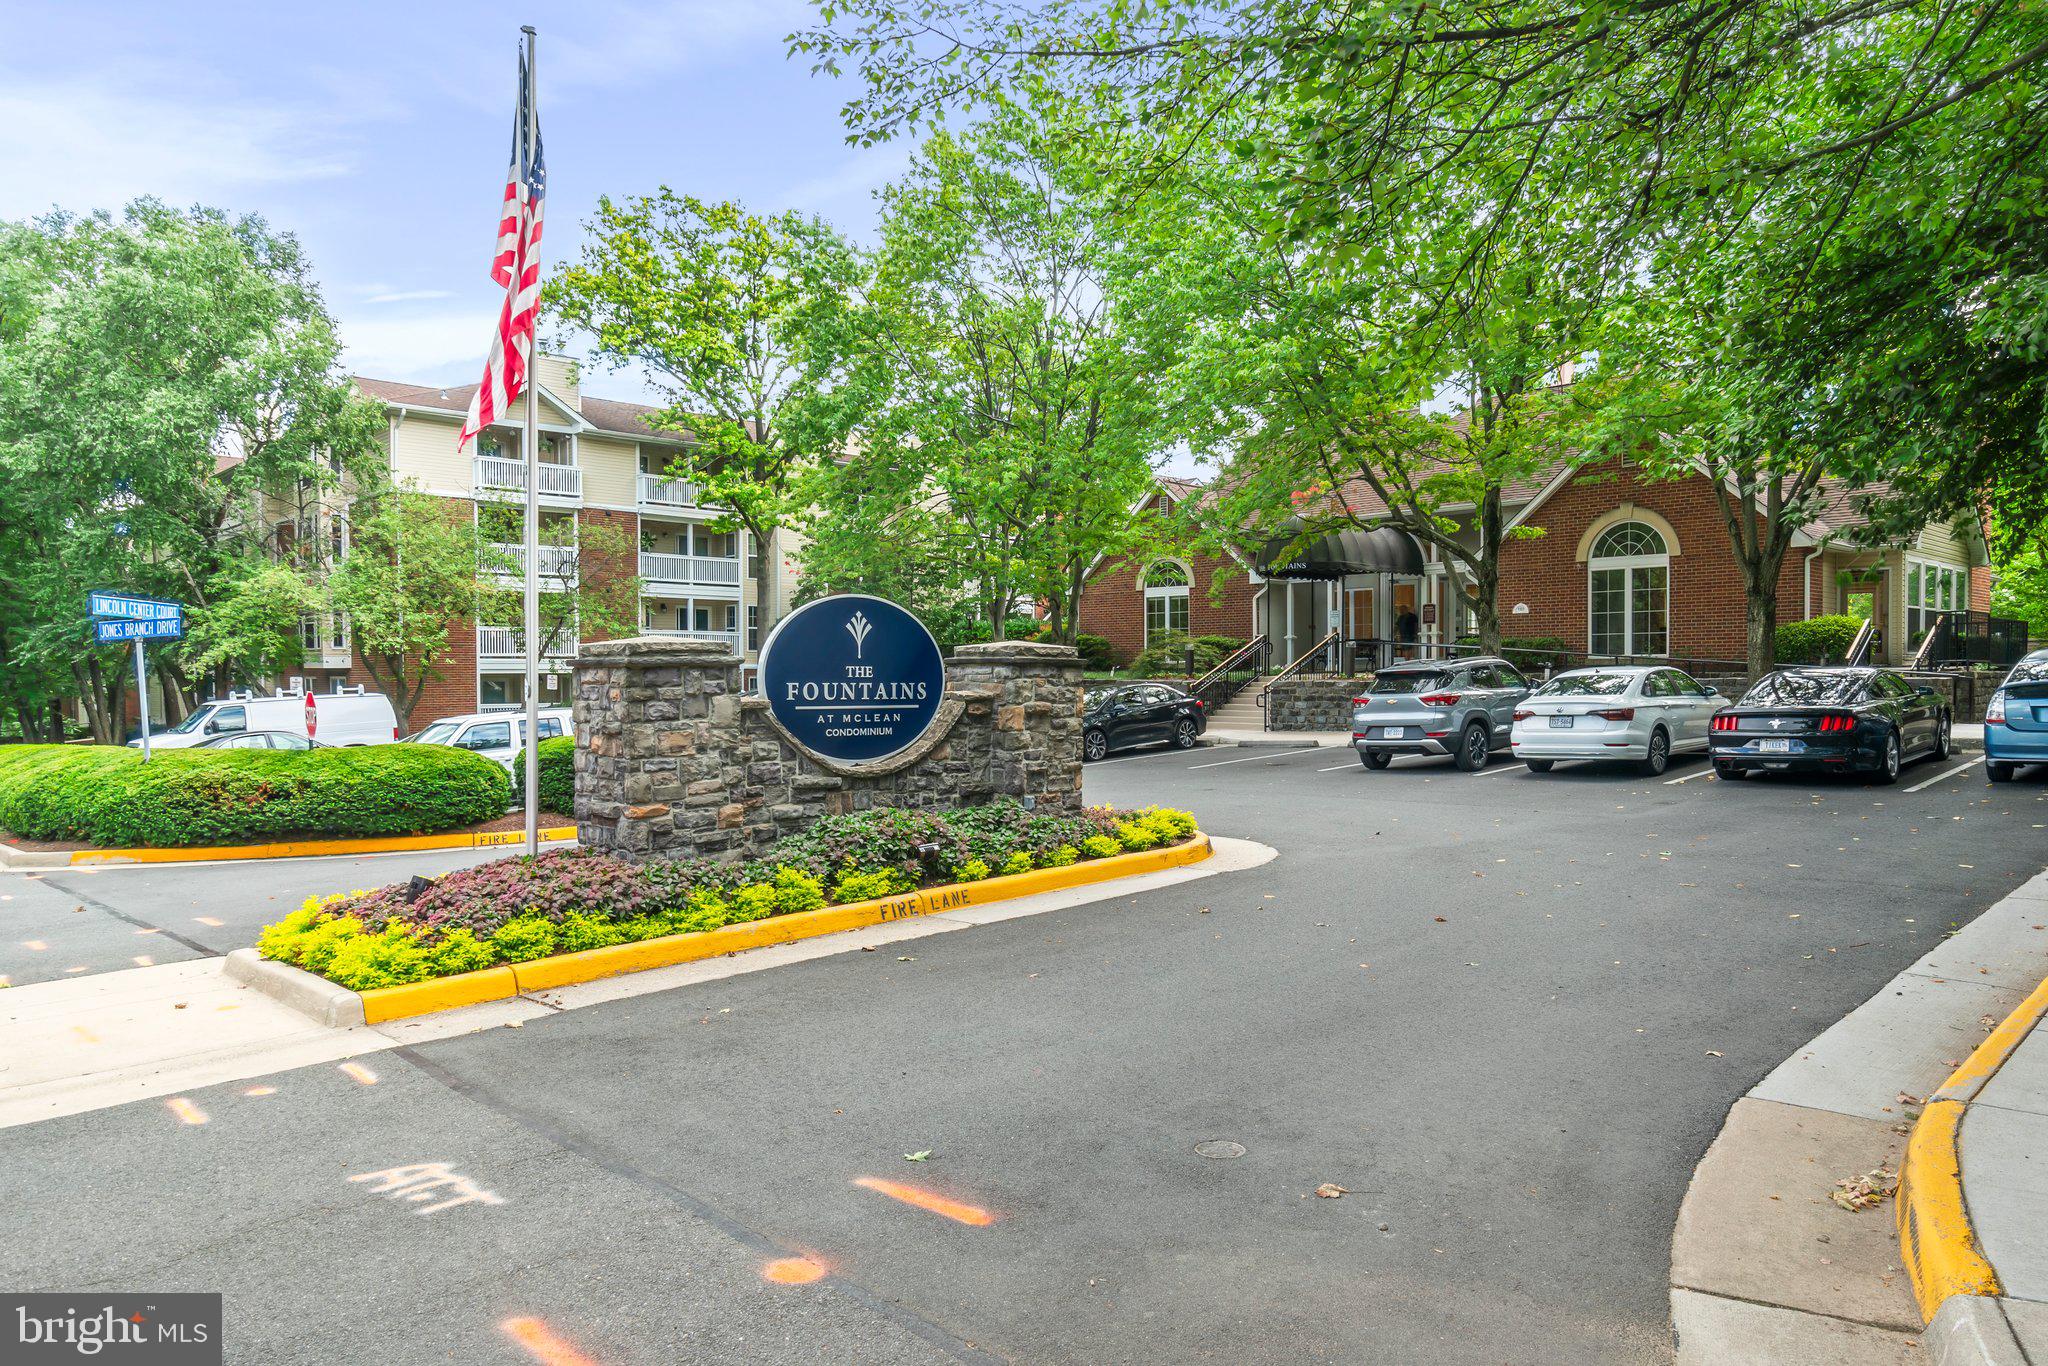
x: 469, y: 839
x: 443, y: 993
x: 1936, y: 1241
x: 561, y: 970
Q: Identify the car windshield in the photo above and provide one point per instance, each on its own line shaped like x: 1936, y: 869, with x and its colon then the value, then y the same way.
x: 191, y: 723
x: 2029, y: 670
x: 1586, y: 685
x: 440, y: 733
x: 1404, y: 682
x: 1095, y: 697
x: 1805, y: 690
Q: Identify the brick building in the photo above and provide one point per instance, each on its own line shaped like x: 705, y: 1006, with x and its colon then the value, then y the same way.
x: 1624, y: 565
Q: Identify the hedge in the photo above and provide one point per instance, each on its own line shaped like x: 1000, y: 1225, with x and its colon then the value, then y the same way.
x: 1817, y: 640
x: 108, y: 796
x: 1168, y: 655
x: 557, y: 775
x: 517, y: 909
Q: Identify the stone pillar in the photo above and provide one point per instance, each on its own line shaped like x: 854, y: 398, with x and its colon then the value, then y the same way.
x: 1037, y: 751
x: 657, y: 724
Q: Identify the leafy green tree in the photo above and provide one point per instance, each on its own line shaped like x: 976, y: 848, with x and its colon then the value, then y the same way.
x: 412, y: 568
x: 588, y: 577
x: 734, y: 316
x: 251, y: 626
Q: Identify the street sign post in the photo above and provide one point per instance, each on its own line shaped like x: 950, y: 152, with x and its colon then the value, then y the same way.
x: 120, y: 617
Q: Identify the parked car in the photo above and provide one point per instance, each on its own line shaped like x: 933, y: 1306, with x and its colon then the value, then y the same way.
x: 346, y: 718
x: 262, y: 739
x: 1139, y: 714
x: 1830, y: 721
x: 1633, y: 712
x: 1461, y: 707
x: 2016, y: 720
x: 492, y: 733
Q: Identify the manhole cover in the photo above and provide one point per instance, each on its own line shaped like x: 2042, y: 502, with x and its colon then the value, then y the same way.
x: 1219, y: 1148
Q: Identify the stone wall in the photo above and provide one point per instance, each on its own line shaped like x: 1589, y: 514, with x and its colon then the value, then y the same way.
x: 673, y: 762
x: 1312, y: 703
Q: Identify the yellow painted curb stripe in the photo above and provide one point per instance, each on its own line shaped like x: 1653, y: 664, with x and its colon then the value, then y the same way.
x: 490, y: 839
x: 542, y: 974
x: 1964, y: 1083
x: 1935, y: 1238
x: 443, y: 993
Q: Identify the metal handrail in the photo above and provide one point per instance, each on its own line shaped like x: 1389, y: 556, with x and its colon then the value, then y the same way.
x: 1256, y: 645
x: 1319, y: 647
x: 1859, y: 648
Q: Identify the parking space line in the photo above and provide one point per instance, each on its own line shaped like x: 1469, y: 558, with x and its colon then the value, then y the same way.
x: 1508, y: 767
x: 1306, y: 749
x: 1706, y: 771
x: 1950, y: 774
x: 1162, y: 754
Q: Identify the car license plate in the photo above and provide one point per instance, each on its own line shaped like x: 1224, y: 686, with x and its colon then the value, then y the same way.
x: 1394, y: 732
x: 1560, y: 723
x: 1775, y: 746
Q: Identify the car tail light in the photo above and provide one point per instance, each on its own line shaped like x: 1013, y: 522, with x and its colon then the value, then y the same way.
x: 1617, y: 714
x: 1441, y: 699
x: 1836, y: 722
x: 1724, y: 723
x: 1361, y: 702
x: 1198, y: 703
x: 1522, y: 714
x: 1996, y: 711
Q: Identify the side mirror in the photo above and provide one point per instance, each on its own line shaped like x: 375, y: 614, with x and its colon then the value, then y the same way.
x: 1713, y: 691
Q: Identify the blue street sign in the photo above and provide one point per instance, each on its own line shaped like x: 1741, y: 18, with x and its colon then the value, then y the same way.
x: 110, y: 631
x: 124, y: 608
x: 853, y: 677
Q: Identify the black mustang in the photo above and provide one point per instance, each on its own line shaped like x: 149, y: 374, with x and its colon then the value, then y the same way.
x: 1829, y: 721
x: 1139, y: 714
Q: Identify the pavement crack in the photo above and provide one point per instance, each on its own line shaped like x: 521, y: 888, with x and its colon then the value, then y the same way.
x: 88, y: 899
x: 745, y: 1235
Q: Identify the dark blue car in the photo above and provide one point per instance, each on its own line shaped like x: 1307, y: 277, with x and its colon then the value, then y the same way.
x: 2016, y: 722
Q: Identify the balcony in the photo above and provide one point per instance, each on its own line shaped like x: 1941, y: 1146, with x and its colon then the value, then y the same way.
x: 557, y: 562
x: 730, y: 639
x: 558, y: 483
x: 505, y: 643
x: 677, y: 494
x: 326, y: 657
x: 690, y: 571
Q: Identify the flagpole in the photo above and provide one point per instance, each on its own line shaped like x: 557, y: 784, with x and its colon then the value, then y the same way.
x: 532, y: 537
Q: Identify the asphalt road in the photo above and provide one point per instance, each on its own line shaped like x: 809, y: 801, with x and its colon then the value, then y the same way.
x: 1506, y: 1012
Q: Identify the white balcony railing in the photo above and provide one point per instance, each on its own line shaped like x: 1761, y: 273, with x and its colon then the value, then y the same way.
x: 556, y: 481
x: 556, y: 561
x: 728, y: 638
x: 505, y: 642
x: 658, y: 492
x: 707, y: 570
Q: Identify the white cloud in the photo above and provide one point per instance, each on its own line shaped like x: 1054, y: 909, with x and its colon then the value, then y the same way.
x: 430, y: 348
x: 615, y: 44
x: 401, y: 296
x: 845, y: 194
x: 96, y: 142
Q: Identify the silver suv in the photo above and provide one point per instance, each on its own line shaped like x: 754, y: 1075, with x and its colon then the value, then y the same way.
x: 1461, y: 707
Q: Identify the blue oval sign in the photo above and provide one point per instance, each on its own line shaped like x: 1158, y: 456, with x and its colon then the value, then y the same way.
x: 853, y: 677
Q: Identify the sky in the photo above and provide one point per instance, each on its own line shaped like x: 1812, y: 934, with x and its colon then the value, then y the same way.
x: 378, y: 134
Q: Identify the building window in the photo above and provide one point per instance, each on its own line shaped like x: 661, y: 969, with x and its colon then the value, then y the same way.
x: 1628, y: 593
x: 1166, y: 599
x: 1931, y: 589
x: 753, y: 626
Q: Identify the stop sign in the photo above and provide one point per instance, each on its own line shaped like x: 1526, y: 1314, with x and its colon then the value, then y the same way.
x: 312, y: 717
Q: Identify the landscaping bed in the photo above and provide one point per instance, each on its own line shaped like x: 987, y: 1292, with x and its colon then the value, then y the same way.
x: 516, y: 910
x: 102, y: 796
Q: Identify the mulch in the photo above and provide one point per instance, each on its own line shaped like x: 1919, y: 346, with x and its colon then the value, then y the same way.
x: 511, y: 820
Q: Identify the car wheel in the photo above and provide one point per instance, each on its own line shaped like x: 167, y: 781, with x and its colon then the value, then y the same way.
x: 1944, y: 743
x: 1094, y: 745
x: 1888, y: 771
x: 1658, y: 757
x: 1375, y: 758
x: 1540, y: 765
x: 1184, y: 734
x: 1729, y: 773
x: 1999, y: 773
x: 1472, y: 748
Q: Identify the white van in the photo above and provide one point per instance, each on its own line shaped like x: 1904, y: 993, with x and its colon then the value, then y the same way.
x: 493, y: 734
x: 352, y: 717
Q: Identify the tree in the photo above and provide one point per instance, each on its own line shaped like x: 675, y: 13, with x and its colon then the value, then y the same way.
x: 412, y: 568
x: 1006, y: 430
x: 589, y: 584
x: 733, y: 316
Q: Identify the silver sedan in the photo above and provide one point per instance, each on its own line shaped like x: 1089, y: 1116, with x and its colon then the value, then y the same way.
x: 1643, y: 714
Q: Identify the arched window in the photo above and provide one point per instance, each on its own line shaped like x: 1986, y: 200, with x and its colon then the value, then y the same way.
x: 1165, y: 583
x: 1628, y: 592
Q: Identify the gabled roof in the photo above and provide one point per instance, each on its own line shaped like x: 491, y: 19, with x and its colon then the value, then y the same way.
x: 612, y: 416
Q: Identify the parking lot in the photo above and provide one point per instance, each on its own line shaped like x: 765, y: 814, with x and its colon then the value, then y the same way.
x: 1504, y: 1012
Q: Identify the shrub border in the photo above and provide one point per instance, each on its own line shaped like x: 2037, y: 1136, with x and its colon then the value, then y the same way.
x: 294, y: 985
x: 384, y: 844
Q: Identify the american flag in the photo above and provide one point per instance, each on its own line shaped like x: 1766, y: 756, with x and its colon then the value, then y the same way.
x: 517, y: 268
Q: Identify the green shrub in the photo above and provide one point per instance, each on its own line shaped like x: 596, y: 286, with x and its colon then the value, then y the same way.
x: 1101, y: 846
x: 1019, y: 862
x: 1136, y: 835
x: 557, y: 776
x: 974, y: 870
x: 1099, y: 654
x: 1167, y: 656
x: 109, y: 796
x: 1817, y: 640
x: 524, y: 939
x: 461, y: 951
x: 858, y: 886
x: 1063, y: 856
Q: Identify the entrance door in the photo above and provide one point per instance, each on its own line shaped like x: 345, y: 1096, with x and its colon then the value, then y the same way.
x: 1407, y: 623
x: 1360, y: 627
x: 1865, y: 602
